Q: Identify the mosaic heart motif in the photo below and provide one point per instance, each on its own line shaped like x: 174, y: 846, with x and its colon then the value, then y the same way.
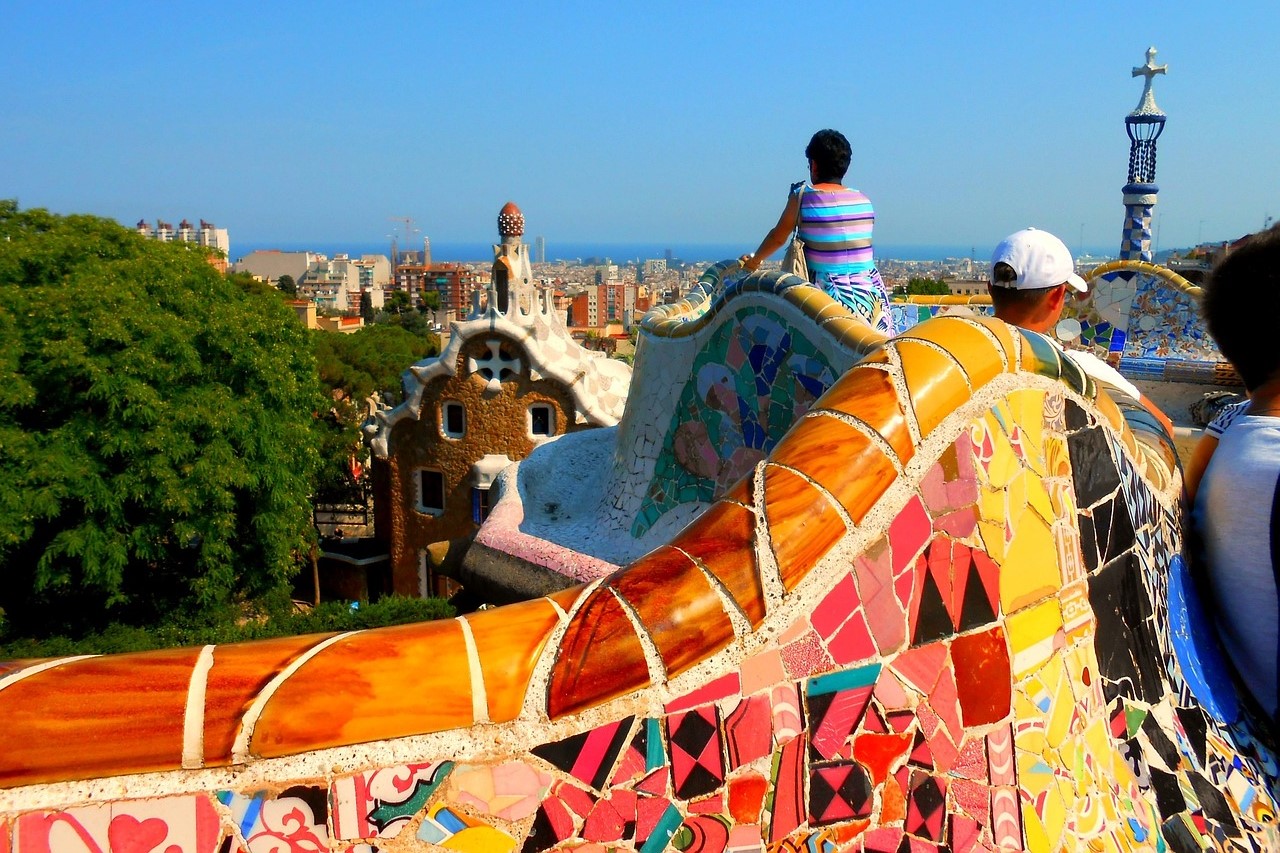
x: 130, y: 835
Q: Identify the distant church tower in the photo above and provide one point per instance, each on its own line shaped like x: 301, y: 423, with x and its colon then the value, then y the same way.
x: 1144, y: 126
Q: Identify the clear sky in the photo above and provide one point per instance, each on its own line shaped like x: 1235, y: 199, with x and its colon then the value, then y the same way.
x: 678, y: 122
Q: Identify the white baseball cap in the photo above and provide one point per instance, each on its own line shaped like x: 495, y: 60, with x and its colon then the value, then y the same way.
x: 1040, y: 259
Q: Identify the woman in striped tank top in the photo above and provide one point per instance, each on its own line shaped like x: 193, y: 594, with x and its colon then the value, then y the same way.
x: 835, y: 223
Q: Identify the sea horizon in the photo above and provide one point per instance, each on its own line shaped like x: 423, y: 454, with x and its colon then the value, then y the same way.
x: 618, y: 252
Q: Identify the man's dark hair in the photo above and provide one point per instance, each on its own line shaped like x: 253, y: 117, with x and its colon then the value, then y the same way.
x: 830, y: 153
x: 1004, y: 292
x: 1241, y: 303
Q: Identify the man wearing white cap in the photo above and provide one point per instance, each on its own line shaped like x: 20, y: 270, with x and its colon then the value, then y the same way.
x: 1028, y: 279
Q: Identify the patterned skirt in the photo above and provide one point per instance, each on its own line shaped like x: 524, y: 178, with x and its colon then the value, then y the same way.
x: 862, y: 293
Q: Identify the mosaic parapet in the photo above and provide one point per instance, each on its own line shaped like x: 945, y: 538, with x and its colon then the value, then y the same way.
x: 1148, y: 316
x: 948, y: 612
x: 719, y: 378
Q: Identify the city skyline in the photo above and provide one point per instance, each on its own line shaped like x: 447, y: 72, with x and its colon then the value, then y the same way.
x: 668, y: 125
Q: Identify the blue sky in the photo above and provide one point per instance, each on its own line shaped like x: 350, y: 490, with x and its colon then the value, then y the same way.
x: 673, y: 122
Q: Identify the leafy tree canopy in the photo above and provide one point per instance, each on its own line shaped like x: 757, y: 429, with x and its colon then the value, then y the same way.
x: 156, y: 440
x: 369, y: 360
x: 927, y: 287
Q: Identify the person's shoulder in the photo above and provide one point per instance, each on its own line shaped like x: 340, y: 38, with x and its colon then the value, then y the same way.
x: 1226, y: 417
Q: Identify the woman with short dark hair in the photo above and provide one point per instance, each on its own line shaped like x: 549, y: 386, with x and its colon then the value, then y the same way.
x: 835, y: 224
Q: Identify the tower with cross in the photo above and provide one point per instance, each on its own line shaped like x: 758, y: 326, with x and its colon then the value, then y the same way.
x: 1144, y: 126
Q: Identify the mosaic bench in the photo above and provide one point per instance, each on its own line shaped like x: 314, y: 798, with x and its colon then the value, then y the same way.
x: 948, y: 612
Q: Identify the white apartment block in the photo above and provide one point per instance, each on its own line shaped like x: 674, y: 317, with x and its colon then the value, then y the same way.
x: 206, y: 235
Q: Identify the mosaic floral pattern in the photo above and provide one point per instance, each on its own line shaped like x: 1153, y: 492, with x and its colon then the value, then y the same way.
x: 984, y: 641
x: 1143, y: 313
x: 755, y: 377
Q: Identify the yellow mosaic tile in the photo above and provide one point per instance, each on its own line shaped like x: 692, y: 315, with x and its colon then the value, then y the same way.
x: 1034, y: 635
x: 1002, y: 332
x: 1029, y: 571
x: 1037, y: 840
x: 827, y: 450
x: 1027, y: 410
x: 1038, y: 498
x: 1004, y: 464
x: 935, y: 384
x: 853, y: 334
x: 1110, y: 412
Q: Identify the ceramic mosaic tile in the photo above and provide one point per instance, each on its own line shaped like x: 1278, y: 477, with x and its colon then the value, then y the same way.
x: 752, y: 381
x: 1005, y: 652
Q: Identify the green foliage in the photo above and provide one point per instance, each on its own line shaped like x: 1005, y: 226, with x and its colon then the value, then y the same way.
x: 230, y: 626
x: 927, y: 287
x: 287, y: 285
x: 431, y: 300
x: 398, y: 302
x: 369, y: 360
x: 156, y: 441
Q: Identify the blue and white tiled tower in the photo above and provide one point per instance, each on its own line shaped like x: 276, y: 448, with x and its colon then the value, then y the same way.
x: 1144, y: 126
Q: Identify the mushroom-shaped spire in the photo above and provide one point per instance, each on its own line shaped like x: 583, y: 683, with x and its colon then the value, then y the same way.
x: 510, y: 221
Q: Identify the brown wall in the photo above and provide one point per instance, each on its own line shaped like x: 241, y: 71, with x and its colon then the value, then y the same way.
x: 495, y: 423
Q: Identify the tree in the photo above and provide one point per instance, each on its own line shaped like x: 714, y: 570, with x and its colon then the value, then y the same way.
x: 366, y: 306
x: 352, y: 367
x: 397, y: 302
x: 287, y: 285
x: 927, y: 287
x: 156, y: 438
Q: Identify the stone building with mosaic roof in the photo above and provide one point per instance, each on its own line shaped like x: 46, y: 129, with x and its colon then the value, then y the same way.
x: 509, y: 379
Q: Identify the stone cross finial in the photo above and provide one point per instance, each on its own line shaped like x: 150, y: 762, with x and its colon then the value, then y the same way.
x: 1147, y: 103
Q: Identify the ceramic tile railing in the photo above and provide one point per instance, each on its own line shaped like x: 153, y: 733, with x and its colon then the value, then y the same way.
x: 947, y: 613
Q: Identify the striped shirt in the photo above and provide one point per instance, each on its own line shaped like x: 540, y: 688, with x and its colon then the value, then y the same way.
x: 835, y: 226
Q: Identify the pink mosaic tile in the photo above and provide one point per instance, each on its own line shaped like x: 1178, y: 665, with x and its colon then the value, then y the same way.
x: 721, y: 688
x: 852, y: 643
x: 747, y: 731
x: 908, y: 533
x: 787, y: 724
x: 762, y: 671
x: 834, y: 609
x: 806, y: 657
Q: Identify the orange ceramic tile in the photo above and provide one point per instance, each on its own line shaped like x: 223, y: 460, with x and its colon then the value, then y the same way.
x: 238, y: 674
x: 676, y: 603
x: 369, y: 670
x: 936, y: 384
x: 600, y: 657
x: 803, y: 524
x: 566, y: 598
x: 978, y: 355
x: 841, y: 458
x: 103, y: 716
x: 870, y: 393
x: 722, y: 539
x: 509, y: 641
x: 985, y: 692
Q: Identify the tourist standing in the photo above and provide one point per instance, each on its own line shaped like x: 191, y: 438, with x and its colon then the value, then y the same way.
x: 835, y: 223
